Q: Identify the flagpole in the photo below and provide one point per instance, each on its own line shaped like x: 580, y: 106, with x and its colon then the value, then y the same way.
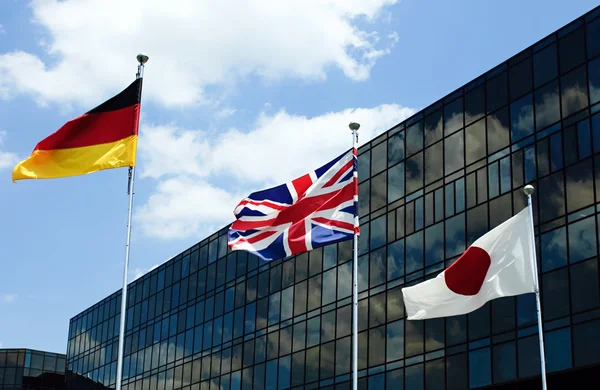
x: 528, y: 190
x: 142, y: 59
x: 354, y: 127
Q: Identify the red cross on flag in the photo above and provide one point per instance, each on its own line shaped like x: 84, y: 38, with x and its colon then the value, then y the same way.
x: 498, y: 264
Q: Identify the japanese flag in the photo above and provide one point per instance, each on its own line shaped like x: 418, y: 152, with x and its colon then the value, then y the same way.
x: 498, y: 264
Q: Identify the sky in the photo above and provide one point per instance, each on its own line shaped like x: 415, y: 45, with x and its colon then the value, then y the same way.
x: 237, y: 96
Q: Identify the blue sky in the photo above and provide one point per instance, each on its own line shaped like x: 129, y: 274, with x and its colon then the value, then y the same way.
x: 226, y: 92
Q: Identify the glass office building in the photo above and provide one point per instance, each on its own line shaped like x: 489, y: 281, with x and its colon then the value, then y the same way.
x: 26, y: 369
x: 210, y: 319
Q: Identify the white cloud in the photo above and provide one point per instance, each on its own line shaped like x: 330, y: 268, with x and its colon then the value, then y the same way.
x: 225, y: 113
x: 8, y: 298
x: 201, y: 177
x: 192, y: 45
x: 7, y: 159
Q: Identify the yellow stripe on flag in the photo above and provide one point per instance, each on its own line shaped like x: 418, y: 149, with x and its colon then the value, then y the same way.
x: 50, y: 164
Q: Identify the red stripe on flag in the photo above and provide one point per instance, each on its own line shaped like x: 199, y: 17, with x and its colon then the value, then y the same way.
x: 337, y: 224
x: 302, y: 184
x: 251, y: 225
x: 261, y: 203
x: 256, y: 238
x: 339, y: 174
x: 94, y: 129
x: 296, y: 237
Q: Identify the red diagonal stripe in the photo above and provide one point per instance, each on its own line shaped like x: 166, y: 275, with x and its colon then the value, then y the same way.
x: 262, y: 203
x: 334, y: 223
x: 339, y: 174
x: 302, y: 184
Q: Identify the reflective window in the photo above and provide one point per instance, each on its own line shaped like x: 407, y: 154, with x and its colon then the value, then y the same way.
x: 475, y: 141
x: 414, y: 138
x: 574, y: 95
x: 433, y: 128
x: 378, y: 191
x: 504, y: 362
x: 475, y: 104
x: 571, y: 50
x: 554, y: 249
x: 545, y: 66
x: 521, y: 118
x: 582, y: 240
x: 594, y: 80
x: 557, y: 345
x: 395, y: 183
x: 585, y: 293
x: 586, y: 343
x: 547, y: 105
x: 480, y: 372
x: 414, y: 173
x: 555, y: 294
x: 497, y: 94
x: 395, y: 148
x: 520, y: 79
x: 379, y: 154
x: 434, y: 163
x: 453, y: 152
x: 453, y: 116
x: 364, y: 165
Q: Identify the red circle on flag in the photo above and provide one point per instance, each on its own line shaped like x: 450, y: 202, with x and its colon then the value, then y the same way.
x: 467, y: 274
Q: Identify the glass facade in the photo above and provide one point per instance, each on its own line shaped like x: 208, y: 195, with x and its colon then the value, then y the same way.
x: 210, y: 319
x: 26, y: 369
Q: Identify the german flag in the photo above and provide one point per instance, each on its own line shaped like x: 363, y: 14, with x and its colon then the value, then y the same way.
x: 103, y: 138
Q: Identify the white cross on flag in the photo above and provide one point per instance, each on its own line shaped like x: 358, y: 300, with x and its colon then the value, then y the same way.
x: 498, y: 264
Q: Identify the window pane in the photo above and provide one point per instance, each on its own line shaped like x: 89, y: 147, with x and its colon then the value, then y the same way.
x: 433, y: 128
x: 453, y: 116
x: 396, y: 148
x: 414, y: 173
x: 582, y: 240
x: 414, y: 338
x: 379, y: 160
x: 545, y: 67
x: 520, y: 79
x: 475, y: 104
x: 554, y: 249
x: 555, y: 294
x: 505, y: 364
x: 414, y: 138
x: 475, y: 141
x: 342, y: 355
x: 503, y: 315
x: 456, y: 368
x: 580, y: 191
x: 433, y: 163
x: 571, y: 50
x: 547, y: 105
x: 364, y: 165
x: 455, y: 236
x: 497, y: 130
x: 395, y: 341
x: 434, y: 240
x: 434, y: 374
x: 480, y: 371
x: 453, y: 153
x: 363, y: 198
x: 586, y: 343
x: 594, y: 80
x: 585, y: 293
x: 497, y: 94
x: 395, y: 182
x: 414, y: 252
x: 574, y: 91
x: 521, y: 114
x: 557, y: 347
x: 551, y: 206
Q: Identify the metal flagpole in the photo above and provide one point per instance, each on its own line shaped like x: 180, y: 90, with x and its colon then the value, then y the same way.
x: 354, y: 127
x: 142, y: 59
x: 528, y: 190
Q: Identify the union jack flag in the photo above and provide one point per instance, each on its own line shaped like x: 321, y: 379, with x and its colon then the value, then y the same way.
x: 316, y: 209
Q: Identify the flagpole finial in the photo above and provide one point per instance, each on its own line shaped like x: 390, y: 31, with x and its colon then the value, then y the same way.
x: 528, y: 190
x: 142, y: 58
x: 354, y: 126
